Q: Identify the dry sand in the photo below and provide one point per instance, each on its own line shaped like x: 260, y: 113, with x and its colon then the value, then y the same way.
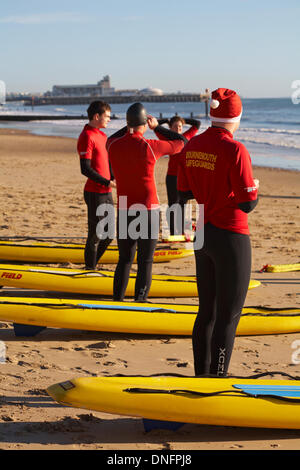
x: 41, y: 194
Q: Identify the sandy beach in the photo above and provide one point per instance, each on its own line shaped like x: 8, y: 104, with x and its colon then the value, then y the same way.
x: 41, y: 195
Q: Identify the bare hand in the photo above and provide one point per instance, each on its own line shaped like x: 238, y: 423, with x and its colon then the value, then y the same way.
x: 152, y: 122
x: 112, y: 184
x: 256, y: 182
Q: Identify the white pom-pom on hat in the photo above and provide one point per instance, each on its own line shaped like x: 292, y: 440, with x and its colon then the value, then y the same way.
x: 214, y: 104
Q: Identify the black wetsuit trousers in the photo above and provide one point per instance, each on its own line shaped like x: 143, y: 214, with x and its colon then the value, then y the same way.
x: 223, y: 269
x: 128, y: 245
x: 175, y: 215
x: 96, y: 244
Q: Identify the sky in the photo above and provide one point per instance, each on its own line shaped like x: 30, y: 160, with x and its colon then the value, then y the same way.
x: 250, y: 46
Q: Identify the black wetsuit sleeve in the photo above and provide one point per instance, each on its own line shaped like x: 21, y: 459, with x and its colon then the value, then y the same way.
x: 112, y: 176
x: 118, y: 133
x: 193, y: 122
x: 248, y: 206
x: 89, y: 172
x: 169, y: 135
x: 163, y: 121
x: 185, y: 196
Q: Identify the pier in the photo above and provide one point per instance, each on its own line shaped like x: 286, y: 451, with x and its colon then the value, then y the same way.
x: 86, y: 100
x: 114, y: 99
x: 59, y: 100
x: 43, y: 117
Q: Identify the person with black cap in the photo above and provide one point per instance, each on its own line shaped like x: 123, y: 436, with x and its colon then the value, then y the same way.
x: 133, y: 158
x: 94, y: 164
x: 217, y: 170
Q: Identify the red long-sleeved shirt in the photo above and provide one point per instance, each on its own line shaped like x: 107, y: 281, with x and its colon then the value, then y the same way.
x: 91, y: 145
x: 133, y: 160
x: 218, y: 171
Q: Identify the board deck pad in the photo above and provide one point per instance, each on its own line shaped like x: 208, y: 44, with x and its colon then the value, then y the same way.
x: 289, y: 391
x: 128, y: 307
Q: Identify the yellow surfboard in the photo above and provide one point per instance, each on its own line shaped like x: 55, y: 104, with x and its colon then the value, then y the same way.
x: 134, y: 317
x: 281, y: 268
x: 46, y: 252
x: 93, y: 282
x: 212, y: 401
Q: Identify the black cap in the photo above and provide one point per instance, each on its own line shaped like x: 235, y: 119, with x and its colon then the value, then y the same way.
x: 136, y: 115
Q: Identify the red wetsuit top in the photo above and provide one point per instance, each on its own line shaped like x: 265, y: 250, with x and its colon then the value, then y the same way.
x: 174, y: 159
x: 92, y: 145
x: 218, y: 171
x: 133, y: 160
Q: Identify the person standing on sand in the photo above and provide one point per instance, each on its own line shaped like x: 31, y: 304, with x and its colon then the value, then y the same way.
x: 217, y: 170
x: 175, y: 211
x: 94, y: 164
x: 133, y: 159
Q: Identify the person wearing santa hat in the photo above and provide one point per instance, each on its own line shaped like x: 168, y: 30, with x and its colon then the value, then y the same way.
x: 217, y: 170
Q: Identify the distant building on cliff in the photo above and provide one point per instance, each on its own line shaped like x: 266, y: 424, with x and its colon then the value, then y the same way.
x: 102, y: 88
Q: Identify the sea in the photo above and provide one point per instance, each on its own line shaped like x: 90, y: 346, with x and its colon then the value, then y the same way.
x: 270, y: 127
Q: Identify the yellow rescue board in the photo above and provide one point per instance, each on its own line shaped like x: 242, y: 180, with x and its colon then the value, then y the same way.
x: 134, y: 317
x: 42, y: 252
x: 281, y: 268
x: 93, y: 282
x: 211, y: 401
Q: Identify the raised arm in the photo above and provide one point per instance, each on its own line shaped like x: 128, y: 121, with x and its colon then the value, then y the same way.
x: 192, y: 131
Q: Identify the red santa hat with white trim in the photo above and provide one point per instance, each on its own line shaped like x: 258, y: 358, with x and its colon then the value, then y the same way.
x: 225, y: 106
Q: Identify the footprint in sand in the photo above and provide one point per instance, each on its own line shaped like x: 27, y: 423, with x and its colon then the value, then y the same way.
x: 123, y: 362
x: 23, y: 363
x: 97, y: 355
x: 89, y: 418
x: 67, y: 424
x: 60, y: 348
x: 6, y: 418
x: 101, y: 345
x: 173, y: 361
x: 38, y: 392
x: 109, y: 363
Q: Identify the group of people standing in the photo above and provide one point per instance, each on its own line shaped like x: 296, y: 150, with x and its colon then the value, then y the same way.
x: 212, y: 168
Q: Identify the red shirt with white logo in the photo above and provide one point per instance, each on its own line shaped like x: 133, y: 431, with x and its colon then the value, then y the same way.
x: 218, y: 171
x: 133, y: 160
x: 92, y: 145
x: 174, y: 159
